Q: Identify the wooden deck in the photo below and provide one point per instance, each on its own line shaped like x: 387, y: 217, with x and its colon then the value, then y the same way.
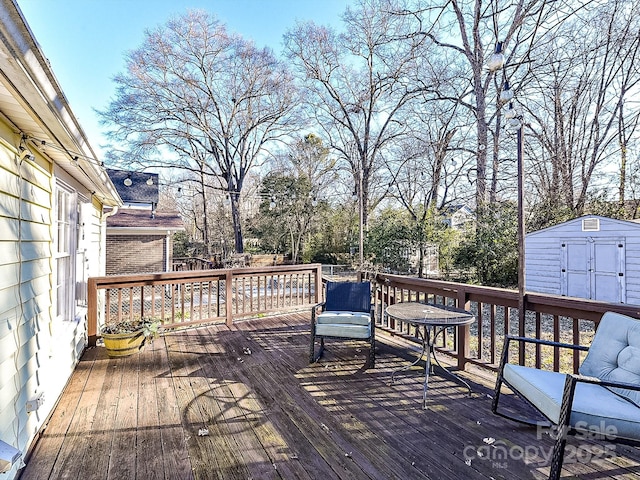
x: 198, y: 405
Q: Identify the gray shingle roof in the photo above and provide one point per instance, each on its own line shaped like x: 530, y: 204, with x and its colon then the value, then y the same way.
x: 143, y: 218
x: 139, y: 191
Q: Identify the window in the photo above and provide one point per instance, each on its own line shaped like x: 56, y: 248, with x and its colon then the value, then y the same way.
x: 82, y: 264
x: 64, y: 252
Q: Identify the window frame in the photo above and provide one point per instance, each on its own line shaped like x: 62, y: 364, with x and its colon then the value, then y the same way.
x: 65, y: 219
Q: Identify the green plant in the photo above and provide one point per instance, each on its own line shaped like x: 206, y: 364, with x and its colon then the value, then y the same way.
x: 489, y: 255
x: 150, y: 328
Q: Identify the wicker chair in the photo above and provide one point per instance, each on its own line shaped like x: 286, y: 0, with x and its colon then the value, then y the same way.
x: 346, y: 313
x: 603, y: 401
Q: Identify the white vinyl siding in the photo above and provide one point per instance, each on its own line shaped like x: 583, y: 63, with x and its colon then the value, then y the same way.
x: 88, y: 249
x: 25, y: 289
x: 38, y: 351
x: 38, y: 348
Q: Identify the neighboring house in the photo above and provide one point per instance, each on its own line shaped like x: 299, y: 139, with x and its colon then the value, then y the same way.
x: 458, y: 217
x: 139, y: 235
x: 590, y: 257
x: 429, y: 260
x: 52, y: 237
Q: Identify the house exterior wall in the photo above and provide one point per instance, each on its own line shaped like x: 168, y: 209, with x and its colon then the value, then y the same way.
x: 42, y: 250
x: 132, y: 254
x: 544, y: 254
x: 92, y: 241
x: 38, y: 352
x: 25, y: 276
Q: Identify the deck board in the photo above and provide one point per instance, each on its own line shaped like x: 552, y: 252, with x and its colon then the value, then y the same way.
x: 78, y: 445
x: 174, y: 451
x: 122, y: 458
x: 271, y: 415
x: 59, y: 433
x: 148, y: 420
x: 264, y: 448
x: 95, y: 450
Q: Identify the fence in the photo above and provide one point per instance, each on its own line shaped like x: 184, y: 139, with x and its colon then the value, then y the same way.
x: 551, y: 317
x: 193, y: 297
x: 187, y: 298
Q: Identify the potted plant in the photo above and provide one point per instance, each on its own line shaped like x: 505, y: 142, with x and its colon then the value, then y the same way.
x: 128, y: 337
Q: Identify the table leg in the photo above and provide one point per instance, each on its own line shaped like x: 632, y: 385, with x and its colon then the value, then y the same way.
x: 449, y: 373
x: 427, y: 366
x: 407, y: 367
x: 429, y: 349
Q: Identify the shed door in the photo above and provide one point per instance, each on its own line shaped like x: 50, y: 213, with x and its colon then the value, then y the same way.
x: 594, y: 269
x: 575, y: 268
x: 608, y: 283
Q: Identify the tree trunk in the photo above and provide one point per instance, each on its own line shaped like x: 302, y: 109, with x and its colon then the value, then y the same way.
x: 482, y: 129
x: 237, y: 224
x: 205, y: 216
x: 623, y: 157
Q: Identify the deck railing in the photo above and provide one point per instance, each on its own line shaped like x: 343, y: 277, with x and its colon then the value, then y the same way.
x: 192, y: 297
x: 181, y: 264
x: 177, y: 299
x: 551, y: 317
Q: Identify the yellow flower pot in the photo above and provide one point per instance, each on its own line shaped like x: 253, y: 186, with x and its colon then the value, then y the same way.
x: 123, y: 344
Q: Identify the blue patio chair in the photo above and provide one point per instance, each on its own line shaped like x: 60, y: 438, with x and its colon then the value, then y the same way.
x: 602, y: 402
x: 346, y: 313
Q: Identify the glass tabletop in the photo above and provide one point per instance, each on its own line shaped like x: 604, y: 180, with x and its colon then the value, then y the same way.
x: 429, y: 314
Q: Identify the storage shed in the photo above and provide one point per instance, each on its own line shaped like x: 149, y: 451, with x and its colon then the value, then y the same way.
x: 590, y: 257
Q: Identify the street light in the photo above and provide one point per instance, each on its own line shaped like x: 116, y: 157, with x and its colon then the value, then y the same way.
x: 496, y: 61
x: 361, y: 220
x: 514, y: 116
x: 506, y: 94
x: 517, y: 121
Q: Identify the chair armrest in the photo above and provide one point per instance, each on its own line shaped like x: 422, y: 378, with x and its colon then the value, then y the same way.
x: 539, y: 341
x: 505, y: 350
x: 571, y: 381
x: 605, y: 383
x: 313, y: 311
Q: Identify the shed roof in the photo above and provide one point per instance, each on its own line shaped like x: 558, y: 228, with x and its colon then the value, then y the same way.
x: 622, y: 225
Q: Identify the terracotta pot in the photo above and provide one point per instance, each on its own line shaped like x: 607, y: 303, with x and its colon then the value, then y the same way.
x: 123, y: 344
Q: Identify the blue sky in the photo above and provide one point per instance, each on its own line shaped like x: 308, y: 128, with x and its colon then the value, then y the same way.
x: 85, y: 40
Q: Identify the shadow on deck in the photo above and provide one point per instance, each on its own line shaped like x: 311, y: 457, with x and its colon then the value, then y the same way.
x: 243, y: 403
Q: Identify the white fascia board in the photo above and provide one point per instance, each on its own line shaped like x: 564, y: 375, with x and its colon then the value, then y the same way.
x: 26, y: 73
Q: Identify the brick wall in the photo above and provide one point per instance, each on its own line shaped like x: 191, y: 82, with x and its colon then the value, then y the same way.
x: 131, y: 254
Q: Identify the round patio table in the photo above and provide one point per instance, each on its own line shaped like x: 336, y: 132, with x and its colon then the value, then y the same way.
x: 427, y: 316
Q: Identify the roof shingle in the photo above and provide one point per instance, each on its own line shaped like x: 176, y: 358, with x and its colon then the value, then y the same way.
x: 144, y: 218
x: 139, y: 191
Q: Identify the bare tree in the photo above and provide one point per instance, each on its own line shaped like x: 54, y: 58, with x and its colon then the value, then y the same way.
x: 308, y: 157
x: 581, y: 123
x: 300, y: 180
x: 198, y: 98
x: 360, y: 83
x: 627, y: 128
x: 426, y: 168
x: 467, y: 32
